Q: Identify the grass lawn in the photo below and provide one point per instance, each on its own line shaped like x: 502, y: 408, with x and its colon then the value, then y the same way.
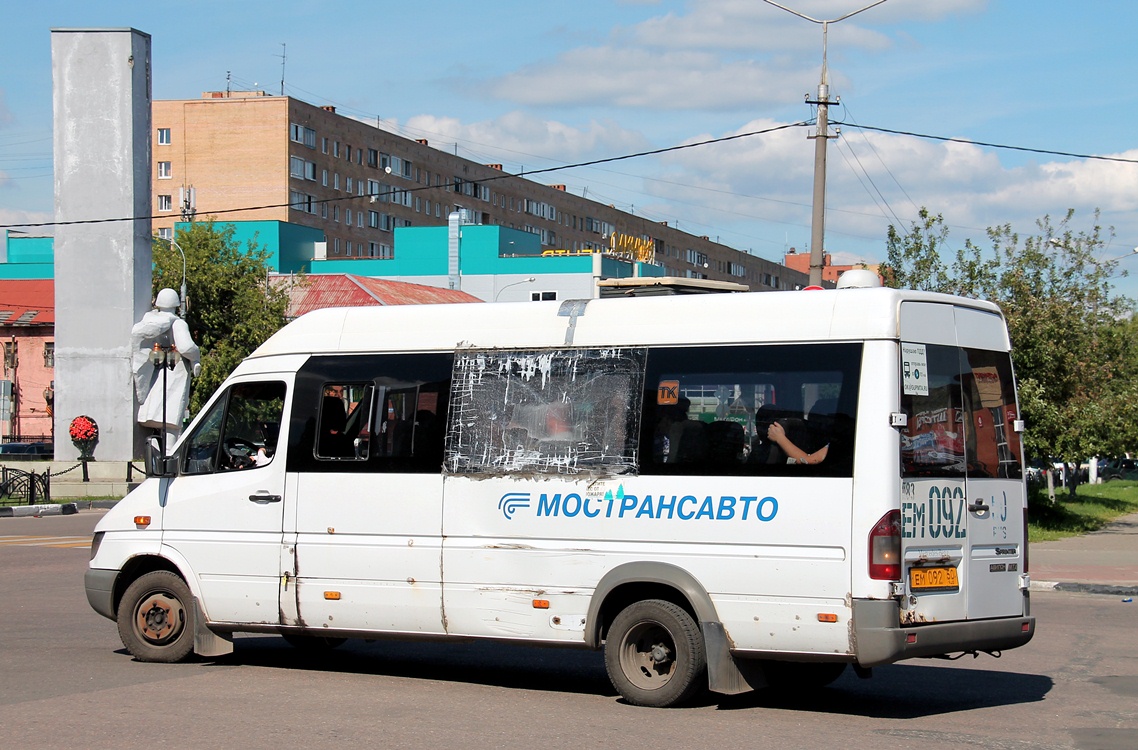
x: 1094, y: 506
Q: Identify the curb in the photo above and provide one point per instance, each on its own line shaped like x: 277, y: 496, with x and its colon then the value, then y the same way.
x: 54, y: 509
x: 1085, y: 588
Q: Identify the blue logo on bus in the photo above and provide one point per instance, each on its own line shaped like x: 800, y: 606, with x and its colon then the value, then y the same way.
x: 663, y: 506
x: 511, y: 502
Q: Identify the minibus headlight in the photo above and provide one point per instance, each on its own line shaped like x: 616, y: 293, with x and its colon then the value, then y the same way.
x: 95, y: 542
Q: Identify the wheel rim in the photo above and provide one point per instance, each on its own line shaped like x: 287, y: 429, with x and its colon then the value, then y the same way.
x: 648, y: 656
x: 159, y: 618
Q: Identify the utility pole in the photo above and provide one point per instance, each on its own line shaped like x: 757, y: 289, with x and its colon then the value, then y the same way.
x: 821, y: 136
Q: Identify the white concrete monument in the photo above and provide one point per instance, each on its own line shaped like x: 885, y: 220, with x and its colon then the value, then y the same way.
x: 101, y: 87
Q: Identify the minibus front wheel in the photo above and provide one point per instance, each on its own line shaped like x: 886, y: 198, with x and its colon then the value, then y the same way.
x: 155, y: 618
x: 654, y: 654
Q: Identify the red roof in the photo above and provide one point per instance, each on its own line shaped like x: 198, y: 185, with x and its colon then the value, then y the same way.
x: 319, y: 291
x: 27, y: 302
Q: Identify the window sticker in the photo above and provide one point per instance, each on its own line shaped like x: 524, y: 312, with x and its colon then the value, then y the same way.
x: 668, y: 392
x: 914, y: 370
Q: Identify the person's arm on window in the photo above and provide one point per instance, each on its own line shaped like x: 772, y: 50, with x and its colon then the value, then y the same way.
x: 795, y: 454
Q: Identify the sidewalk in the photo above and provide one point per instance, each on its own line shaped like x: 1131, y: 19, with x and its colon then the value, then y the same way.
x: 1103, y: 562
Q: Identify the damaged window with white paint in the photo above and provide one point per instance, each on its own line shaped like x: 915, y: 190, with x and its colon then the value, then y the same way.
x: 564, y: 411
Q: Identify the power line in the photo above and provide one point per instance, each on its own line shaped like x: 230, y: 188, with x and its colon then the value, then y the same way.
x: 991, y: 145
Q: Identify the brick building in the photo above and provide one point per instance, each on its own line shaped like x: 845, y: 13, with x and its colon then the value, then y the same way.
x: 281, y: 159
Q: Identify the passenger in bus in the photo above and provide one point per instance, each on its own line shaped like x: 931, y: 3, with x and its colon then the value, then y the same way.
x: 776, y: 433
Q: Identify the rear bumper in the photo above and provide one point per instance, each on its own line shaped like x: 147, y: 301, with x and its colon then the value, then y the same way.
x: 100, y: 586
x: 880, y: 639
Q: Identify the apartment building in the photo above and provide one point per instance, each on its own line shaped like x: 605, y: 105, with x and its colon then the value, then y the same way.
x: 247, y: 156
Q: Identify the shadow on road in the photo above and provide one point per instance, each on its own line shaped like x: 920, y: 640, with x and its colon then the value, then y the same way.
x: 899, y: 691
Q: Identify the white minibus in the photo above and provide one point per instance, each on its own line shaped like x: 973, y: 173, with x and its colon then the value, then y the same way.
x: 722, y: 491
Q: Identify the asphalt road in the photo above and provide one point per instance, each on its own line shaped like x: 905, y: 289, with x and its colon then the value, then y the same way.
x: 66, y: 681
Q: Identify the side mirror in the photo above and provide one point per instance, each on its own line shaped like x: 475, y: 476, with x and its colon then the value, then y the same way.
x: 157, y: 464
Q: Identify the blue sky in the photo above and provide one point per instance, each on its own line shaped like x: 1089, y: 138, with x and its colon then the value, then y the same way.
x: 534, y: 85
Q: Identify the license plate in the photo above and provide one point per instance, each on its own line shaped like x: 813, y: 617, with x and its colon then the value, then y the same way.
x: 933, y: 579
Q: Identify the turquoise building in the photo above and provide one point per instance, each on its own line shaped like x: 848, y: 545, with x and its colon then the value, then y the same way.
x: 491, y: 262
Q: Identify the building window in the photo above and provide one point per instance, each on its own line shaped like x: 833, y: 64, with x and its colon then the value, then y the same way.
x: 543, y: 296
x: 296, y: 167
x: 165, y: 203
x: 336, y: 149
x: 324, y: 145
x: 163, y: 136
x: 349, y: 183
x: 49, y: 354
x: 335, y: 180
x: 164, y: 172
x: 301, y: 134
x: 348, y: 217
x: 324, y: 177
x: 372, y: 157
x: 348, y: 249
x: 165, y: 233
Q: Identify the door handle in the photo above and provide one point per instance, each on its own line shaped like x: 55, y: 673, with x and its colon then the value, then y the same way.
x: 261, y: 497
x: 978, y: 507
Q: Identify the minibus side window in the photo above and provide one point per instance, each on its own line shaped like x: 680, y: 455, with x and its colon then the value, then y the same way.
x: 370, y: 413
x: 563, y: 411
x: 239, y: 432
x: 710, y: 411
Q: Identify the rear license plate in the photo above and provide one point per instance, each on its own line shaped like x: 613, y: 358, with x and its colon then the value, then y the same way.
x: 933, y: 579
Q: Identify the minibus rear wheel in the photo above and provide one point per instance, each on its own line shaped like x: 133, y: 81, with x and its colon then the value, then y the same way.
x: 155, y: 618
x: 654, y: 654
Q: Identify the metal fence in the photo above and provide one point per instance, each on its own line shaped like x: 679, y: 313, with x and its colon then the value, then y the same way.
x: 19, y: 487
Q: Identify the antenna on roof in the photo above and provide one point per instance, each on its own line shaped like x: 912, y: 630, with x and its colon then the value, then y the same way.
x: 282, y: 56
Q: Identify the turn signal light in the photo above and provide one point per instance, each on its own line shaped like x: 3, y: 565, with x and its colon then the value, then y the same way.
x: 142, y: 521
x: 541, y: 604
x: 332, y: 596
x: 827, y: 617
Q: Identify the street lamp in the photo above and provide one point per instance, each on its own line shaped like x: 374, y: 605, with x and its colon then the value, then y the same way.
x: 184, y: 303
x: 530, y: 280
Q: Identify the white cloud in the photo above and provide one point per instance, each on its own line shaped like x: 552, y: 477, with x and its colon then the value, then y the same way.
x: 522, y: 138
x: 18, y: 217
x: 721, y: 55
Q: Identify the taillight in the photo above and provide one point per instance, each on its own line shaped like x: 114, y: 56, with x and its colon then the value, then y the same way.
x: 885, y: 548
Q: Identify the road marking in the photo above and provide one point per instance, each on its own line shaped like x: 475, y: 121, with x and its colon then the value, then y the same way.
x: 59, y: 542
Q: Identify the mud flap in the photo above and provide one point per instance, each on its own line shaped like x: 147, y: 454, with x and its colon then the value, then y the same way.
x: 206, y: 642
x: 724, y: 674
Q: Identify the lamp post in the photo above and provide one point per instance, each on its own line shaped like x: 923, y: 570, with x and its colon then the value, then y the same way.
x: 184, y: 303
x: 530, y: 280
x: 818, y: 215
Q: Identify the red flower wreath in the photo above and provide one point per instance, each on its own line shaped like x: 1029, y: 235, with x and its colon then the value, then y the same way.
x: 83, y: 428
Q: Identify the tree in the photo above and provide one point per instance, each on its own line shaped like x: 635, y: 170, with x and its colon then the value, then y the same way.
x: 1072, y: 336
x: 233, y: 308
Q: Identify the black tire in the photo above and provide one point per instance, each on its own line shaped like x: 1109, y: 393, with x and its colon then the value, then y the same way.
x: 156, y: 618
x: 313, y: 643
x: 654, y: 654
x: 796, y: 676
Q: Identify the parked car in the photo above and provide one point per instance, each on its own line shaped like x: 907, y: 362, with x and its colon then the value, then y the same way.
x: 1119, y: 468
x: 29, y: 451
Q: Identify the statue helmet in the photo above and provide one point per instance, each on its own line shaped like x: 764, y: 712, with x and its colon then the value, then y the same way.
x: 167, y: 300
